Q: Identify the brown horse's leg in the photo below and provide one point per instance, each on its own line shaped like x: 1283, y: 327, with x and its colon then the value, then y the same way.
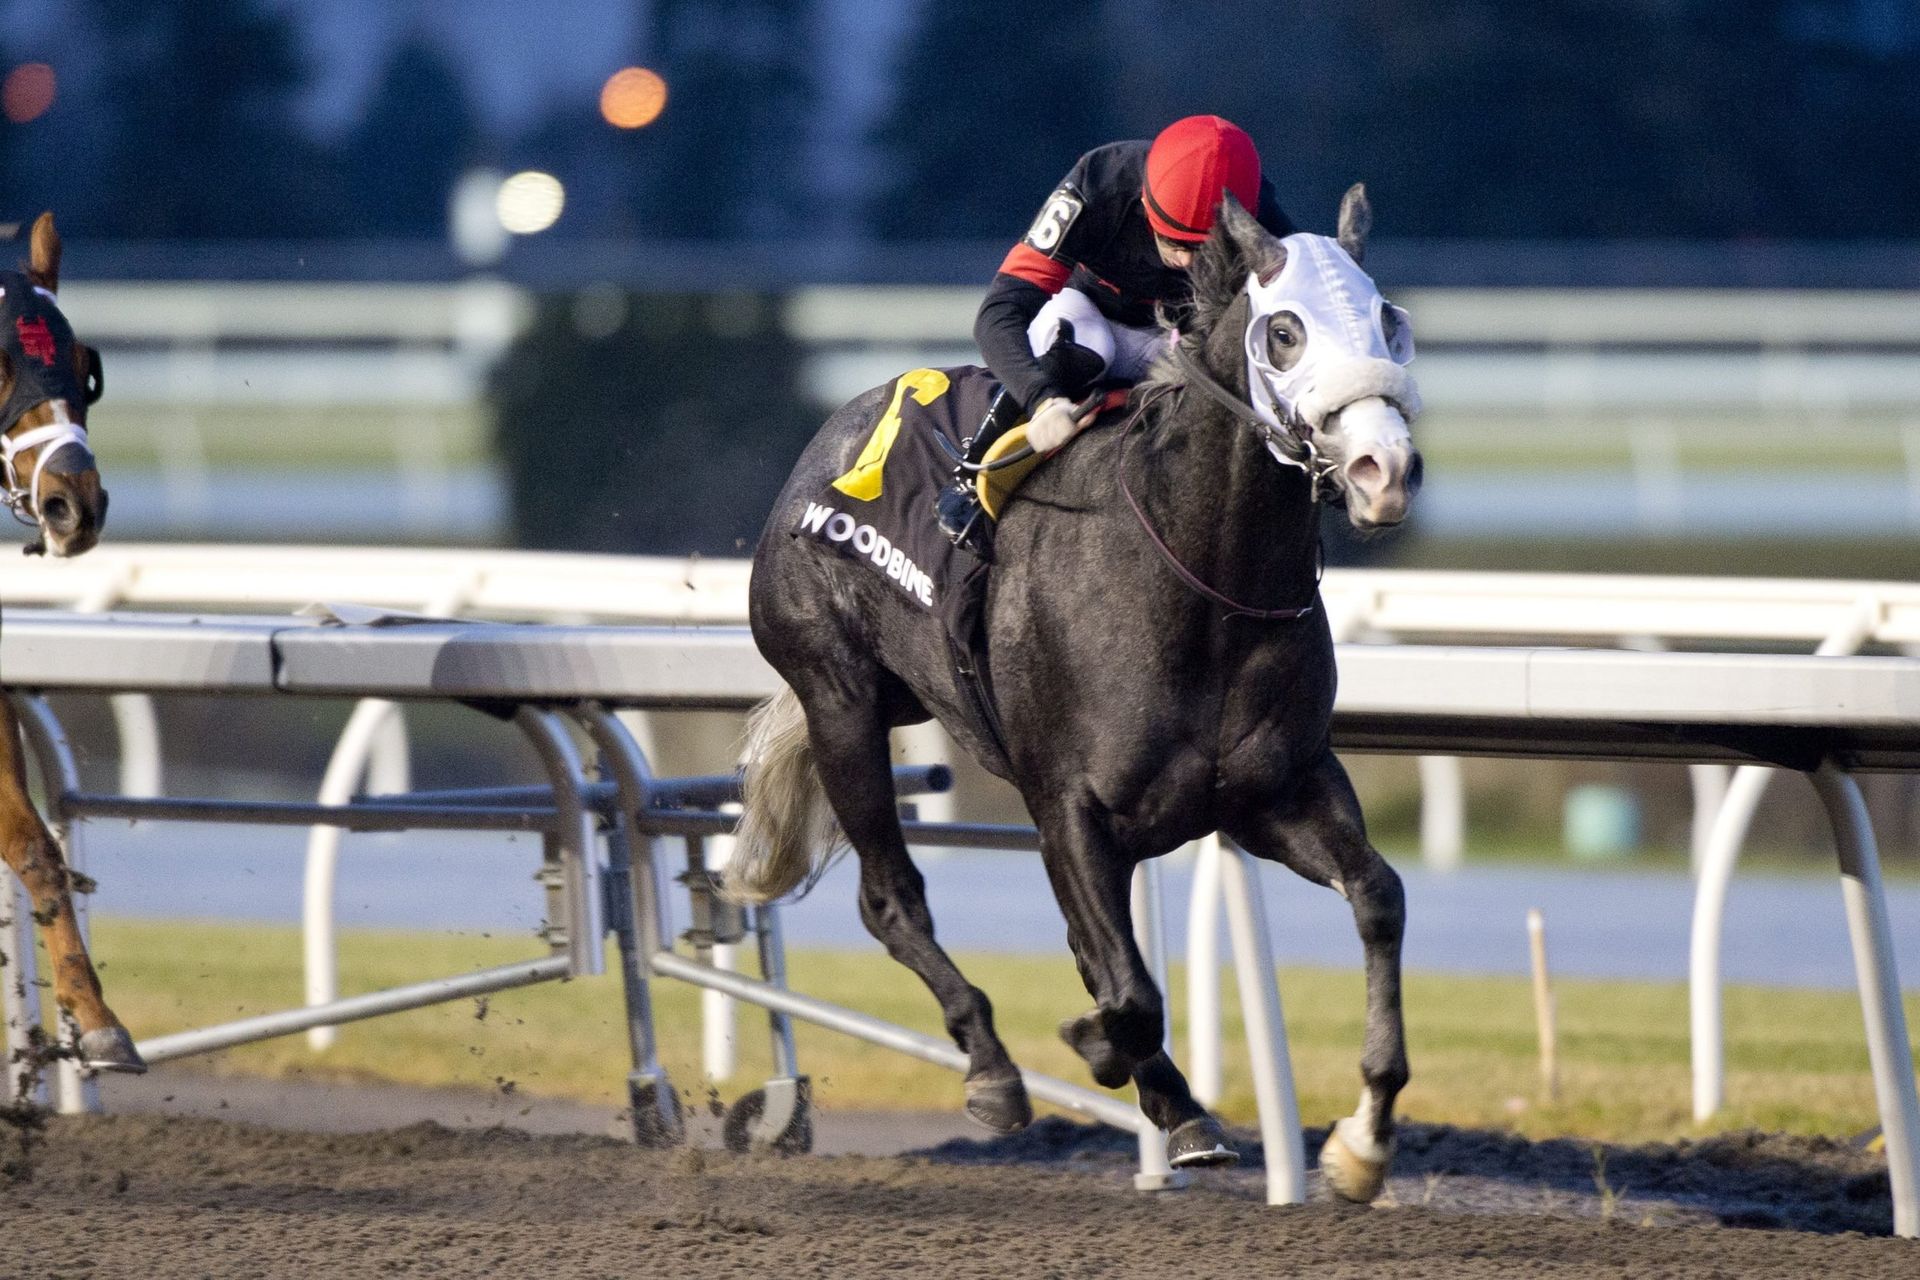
x: 1319, y: 833
x: 30, y: 849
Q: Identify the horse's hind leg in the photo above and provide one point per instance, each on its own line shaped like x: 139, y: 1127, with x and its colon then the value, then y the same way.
x: 1124, y: 1035
x: 850, y: 749
x: 29, y: 848
x: 1319, y: 833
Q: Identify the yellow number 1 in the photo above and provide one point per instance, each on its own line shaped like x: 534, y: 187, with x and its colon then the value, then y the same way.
x: 863, y: 481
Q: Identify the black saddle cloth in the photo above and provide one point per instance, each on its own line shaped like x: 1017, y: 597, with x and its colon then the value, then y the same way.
x: 880, y: 512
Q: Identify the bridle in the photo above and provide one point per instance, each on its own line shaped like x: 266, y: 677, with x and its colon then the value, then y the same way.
x: 1292, y: 445
x: 46, y: 363
x: 22, y: 498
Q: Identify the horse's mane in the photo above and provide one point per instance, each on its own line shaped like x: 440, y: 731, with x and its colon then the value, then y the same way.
x: 1219, y: 273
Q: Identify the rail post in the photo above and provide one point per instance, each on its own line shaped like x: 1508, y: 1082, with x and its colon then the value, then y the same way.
x: 1156, y: 1174
x: 345, y: 769
x: 1718, y: 856
x: 1204, y: 1074
x: 634, y: 909
x: 572, y: 842
x: 1872, y: 935
x: 1273, y: 1087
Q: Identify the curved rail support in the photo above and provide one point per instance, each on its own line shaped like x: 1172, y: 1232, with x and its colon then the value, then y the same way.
x: 1443, y: 813
x: 372, y: 750
x: 1273, y: 1087
x: 634, y: 911
x: 1872, y: 933
x: 135, y: 724
x: 1714, y: 866
x: 74, y: 1091
x: 1710, y: 783
x: 138, y: 728
x: 1720, y: 853
x: 1156, y: 1174
x: 719, y: 1018
x: 1204, y: 1074
x: 573, y: 839
x: 345, y: 768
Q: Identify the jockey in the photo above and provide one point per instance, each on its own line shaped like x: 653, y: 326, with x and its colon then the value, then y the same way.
x: 1074, y: 301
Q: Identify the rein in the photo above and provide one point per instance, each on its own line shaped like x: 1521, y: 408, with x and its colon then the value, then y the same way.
x: 1295, y: 448
x: 1186, y: 575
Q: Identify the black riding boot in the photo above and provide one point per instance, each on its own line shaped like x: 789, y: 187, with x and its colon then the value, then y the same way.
x: 958, y: 507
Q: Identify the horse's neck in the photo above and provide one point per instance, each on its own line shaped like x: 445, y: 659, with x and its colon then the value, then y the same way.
x: 1237, y: 518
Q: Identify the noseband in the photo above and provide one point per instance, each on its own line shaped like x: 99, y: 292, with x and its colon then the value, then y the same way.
x: 43, y: 354
x: 23, y: 498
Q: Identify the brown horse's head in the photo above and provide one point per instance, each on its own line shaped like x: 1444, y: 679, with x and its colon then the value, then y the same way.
x: 48, y: 380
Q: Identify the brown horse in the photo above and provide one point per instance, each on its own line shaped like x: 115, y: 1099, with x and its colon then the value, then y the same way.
x: 47, y: 381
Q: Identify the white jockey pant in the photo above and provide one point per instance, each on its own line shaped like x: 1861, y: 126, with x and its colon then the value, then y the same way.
x: 1127, y: 351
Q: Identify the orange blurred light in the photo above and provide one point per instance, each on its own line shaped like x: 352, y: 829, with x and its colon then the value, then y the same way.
x: 633, y: 97
x: 28, y: 92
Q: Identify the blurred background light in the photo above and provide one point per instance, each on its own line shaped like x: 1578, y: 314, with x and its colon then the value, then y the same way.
x: 28, y: 92
x: 633, y: 98
x: 530, y: 202
x: 473, y: 218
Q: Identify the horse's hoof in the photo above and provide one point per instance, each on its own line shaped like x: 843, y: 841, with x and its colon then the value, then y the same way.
x: 1086, y: 1037
x: 1198, y: 1144
x: 110, y: 1049
x: 1353, y: 1164
x: 1000, y: 1103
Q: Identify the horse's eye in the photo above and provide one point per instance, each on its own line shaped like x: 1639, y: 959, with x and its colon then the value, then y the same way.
x: 1282, y: 336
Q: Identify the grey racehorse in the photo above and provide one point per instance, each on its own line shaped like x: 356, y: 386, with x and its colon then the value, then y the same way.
x: 1158, y: 660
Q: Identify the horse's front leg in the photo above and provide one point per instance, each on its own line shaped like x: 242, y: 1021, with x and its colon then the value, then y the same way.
x: 1319, y: 833
x: 1123, y: 1037
x: 30, y: 850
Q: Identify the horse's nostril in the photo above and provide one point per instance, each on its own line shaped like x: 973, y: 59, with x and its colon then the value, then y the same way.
x: 1416, y: 474
x: 58, y: 512
x: 1365, y: 472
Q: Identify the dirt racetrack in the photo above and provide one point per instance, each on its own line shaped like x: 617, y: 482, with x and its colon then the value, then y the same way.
x: 180, y: 1196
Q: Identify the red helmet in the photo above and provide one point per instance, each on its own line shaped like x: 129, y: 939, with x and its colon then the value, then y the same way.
x: 1194, y: 162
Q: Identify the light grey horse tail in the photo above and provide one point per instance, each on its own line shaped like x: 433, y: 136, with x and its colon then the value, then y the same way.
x: 788, y: 834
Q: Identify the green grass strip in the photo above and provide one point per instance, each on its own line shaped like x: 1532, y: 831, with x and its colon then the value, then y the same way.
x: 1796, y: 1059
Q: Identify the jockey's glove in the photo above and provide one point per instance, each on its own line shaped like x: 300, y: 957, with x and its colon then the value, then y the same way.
x: 1069, y: 367
x: 1053, y: 423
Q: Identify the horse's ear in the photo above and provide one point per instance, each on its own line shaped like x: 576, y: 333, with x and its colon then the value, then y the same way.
x: 1262, y: 254
x: 43, y: 260
x: 1356, y: 220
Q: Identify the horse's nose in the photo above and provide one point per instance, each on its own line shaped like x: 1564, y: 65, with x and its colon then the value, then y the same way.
x: 62, y: 517
x: 1380, y: 473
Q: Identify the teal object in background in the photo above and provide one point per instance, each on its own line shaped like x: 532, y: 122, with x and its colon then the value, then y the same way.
x: 1601, y: 822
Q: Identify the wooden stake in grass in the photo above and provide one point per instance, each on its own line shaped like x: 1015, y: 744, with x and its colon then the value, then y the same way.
x: 1543, y: 1005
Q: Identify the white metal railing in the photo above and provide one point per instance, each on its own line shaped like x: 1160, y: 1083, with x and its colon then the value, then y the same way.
x: 601, y: 842
x: 1824, y: 715
x: 1837, y: 616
